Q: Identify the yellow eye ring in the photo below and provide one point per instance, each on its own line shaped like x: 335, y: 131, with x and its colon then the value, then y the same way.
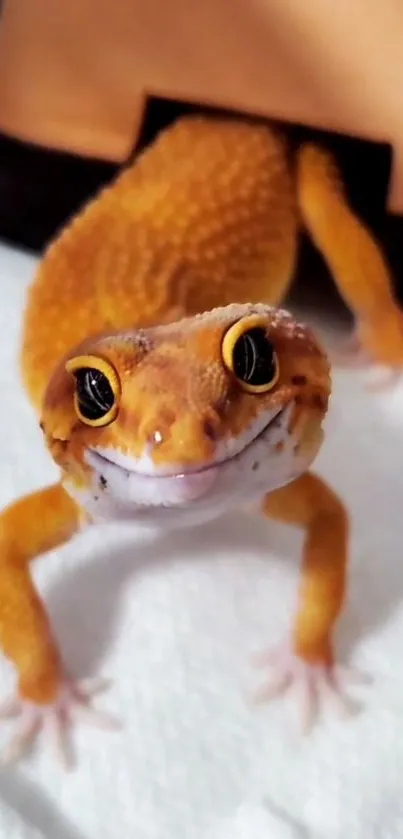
x: 249, y: 355
x: 97, y: 393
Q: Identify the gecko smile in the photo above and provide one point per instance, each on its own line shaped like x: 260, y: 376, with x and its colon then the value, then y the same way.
x: 124, y: 486
x: 229, y: 451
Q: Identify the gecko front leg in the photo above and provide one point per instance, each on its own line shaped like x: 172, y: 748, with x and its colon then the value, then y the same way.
x: 46, y: 698
x: 307, y: 660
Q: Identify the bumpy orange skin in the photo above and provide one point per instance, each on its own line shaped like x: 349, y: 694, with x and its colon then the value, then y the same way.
x: 205, y: 217
x: 208, y: 215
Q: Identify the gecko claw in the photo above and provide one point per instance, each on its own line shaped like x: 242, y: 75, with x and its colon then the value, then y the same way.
x: 316, y: 685
x: 56, y: 720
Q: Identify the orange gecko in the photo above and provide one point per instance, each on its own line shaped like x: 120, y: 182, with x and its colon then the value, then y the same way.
x: 166, y: 397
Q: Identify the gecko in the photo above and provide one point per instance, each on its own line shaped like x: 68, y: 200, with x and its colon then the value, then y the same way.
x: 171, y: 388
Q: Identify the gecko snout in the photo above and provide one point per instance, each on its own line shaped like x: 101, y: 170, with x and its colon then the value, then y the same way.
x: 188, y: 439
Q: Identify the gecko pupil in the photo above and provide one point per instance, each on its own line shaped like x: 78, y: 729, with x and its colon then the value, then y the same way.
x: 254, y: 360
x: 94, y: 393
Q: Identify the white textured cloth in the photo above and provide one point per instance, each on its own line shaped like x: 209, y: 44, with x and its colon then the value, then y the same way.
x: 174, y: 626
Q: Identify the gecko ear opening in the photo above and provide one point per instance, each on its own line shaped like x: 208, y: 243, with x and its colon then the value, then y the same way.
x: 250, y: 356
x: 97, y: 390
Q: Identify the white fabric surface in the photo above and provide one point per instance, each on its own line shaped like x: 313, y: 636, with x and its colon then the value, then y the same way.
x: 174, y: 626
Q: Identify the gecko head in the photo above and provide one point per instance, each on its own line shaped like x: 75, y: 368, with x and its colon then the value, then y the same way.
x: 186, y: 419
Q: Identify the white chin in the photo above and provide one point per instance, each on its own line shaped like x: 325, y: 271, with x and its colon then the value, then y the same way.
x: 133, y: 488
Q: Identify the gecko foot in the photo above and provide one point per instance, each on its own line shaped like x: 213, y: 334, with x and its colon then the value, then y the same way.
x: 350, y: 353
x: 73, y: 705
x: 316, y: 684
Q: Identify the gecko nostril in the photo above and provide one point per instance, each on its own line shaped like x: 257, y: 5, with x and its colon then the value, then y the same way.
x: 299, y: 380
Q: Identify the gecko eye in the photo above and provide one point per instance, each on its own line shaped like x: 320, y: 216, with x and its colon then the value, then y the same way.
x: 249, y: 354
x: 96, y: 397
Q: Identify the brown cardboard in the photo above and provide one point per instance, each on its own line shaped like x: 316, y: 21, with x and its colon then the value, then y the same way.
x: 74, y: 75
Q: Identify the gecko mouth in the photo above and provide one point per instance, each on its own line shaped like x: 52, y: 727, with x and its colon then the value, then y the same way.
x: 99, y: 458
x: 135, y: 486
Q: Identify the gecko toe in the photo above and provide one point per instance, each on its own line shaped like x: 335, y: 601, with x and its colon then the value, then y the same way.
x: 98, y: 719
x: 9, y: 708
x: 56, y: 720
x: 23, y: 738
x: 316, y: 686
